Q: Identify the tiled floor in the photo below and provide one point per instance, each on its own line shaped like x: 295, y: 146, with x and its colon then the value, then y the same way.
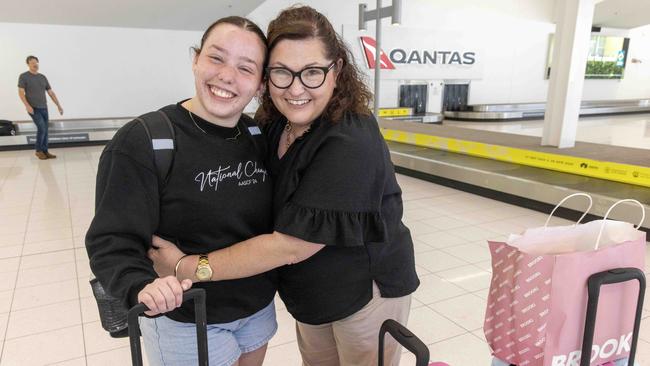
x: 49, y: 317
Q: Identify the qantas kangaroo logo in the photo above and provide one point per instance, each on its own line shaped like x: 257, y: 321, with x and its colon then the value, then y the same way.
x: 369, y: 47
x: 400, y: 56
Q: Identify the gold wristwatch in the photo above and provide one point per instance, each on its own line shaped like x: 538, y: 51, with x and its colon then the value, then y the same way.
x: 203, y: 269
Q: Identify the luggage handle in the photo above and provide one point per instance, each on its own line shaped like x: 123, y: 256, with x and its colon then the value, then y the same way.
x: 198, y: 295
x: 404, y: 337
x: 591, y: 202
x: 602, y: 227
x: 594, y: 283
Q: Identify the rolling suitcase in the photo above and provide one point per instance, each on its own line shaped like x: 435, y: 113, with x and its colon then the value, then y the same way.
x: 595, y: 282
x: 198, y: 295
x: 404, y: 337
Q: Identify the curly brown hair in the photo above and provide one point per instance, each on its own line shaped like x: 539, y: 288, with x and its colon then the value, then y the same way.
x: 304, y: 22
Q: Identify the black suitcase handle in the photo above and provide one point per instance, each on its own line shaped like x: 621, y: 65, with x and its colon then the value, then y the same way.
x: 594, y: 283
x: 404, y: 337
x: 198, y: 294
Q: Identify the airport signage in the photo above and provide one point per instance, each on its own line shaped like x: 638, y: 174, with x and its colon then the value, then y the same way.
x: 418, y: 54
x: 620, y: 58
x: 411, y: 57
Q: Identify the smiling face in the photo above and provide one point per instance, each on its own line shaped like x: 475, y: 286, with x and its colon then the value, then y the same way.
x: 227, y: 74
x: 299, y: 104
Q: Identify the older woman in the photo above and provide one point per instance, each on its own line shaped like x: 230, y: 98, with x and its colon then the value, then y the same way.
x: 346, y: 259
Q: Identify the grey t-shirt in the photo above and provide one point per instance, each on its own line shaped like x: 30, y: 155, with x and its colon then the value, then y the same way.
x: 35, y: 87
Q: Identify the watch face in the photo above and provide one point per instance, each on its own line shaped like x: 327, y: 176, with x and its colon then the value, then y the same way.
x: 203, y: 273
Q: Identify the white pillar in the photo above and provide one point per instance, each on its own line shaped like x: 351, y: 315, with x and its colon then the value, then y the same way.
x: 377, y: 60
x: 571, y: 45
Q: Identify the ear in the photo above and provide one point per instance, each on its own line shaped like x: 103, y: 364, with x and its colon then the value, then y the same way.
x: 339, y: 65
x: 261, y: 89
x: 195, y: 59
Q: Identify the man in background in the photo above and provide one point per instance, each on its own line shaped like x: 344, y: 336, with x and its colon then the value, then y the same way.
x: 31, y: 88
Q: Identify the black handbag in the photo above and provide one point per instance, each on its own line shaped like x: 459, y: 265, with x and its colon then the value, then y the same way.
x: 7, y: 128
x: 112, y: 313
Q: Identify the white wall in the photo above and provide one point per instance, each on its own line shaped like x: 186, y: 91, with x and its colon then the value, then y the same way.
x: 98, y: 72
x: 339, y: 12
x: 515, y: 36
x: 514, y: 33
x: 101, y: 72
x: 636, y: 82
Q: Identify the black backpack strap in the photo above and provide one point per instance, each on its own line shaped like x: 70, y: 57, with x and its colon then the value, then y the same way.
x: 160, y: 131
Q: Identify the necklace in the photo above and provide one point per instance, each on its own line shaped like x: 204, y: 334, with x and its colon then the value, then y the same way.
x: 202, y: 130
x: 288, y: 128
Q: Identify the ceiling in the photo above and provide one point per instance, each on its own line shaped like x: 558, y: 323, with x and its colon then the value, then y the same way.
x: 156, y: 14
x: 198, y: 14
x: 624, y: 14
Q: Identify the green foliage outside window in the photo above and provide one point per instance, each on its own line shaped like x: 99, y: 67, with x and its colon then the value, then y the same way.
x: 603, y: 70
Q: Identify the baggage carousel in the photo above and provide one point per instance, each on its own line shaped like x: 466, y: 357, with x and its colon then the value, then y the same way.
x: 96, y: 131
x: 420, y: 118
x: 99, y: 130
x: 519, y: 111
x: 72, y: 132
x: 523, y: 185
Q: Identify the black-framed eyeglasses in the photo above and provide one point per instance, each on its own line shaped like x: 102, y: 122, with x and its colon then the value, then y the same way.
x: 311, y: 77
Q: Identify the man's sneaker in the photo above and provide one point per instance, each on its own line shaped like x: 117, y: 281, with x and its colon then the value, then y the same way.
x: 49, y: 156
x: 41, y: 155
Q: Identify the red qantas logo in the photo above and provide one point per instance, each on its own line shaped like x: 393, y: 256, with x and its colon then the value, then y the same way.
x: 369, y: 46
x: 402, y: 56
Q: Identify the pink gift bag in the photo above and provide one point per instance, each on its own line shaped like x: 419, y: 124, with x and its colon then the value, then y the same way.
x: 537, y: 302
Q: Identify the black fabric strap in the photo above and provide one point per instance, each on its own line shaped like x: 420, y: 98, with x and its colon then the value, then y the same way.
x: 160, y: 131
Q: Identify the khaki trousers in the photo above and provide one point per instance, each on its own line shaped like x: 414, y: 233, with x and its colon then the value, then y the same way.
x: 353, y: 341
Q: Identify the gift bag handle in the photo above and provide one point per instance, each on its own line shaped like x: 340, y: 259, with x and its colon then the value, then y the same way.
x: 602, y: 227
x: 591, y: 202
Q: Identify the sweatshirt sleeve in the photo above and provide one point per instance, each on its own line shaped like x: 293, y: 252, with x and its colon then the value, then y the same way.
x: 126, y: 215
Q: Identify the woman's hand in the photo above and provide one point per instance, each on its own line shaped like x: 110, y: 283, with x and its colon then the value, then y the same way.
x: 164, y: 255
x: 163, y: 294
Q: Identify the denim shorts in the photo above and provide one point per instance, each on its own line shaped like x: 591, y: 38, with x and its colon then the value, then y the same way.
x: 171, y: 343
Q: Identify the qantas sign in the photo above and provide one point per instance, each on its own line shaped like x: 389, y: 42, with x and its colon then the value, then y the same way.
x: 420, y: 57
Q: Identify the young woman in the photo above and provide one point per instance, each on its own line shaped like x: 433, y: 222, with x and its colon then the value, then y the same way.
x: 217, y: 193
x: 335, y: 190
